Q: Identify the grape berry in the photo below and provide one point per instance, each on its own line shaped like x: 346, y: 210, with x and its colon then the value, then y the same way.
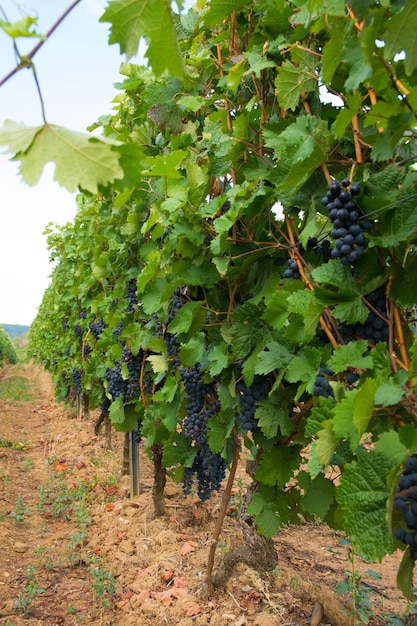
x: 406, y: 502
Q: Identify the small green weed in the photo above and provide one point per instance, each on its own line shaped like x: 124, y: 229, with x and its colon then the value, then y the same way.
x: 21, y: 511
x: 25, y: 598
x: 28, y: 464
x: 104, y: 584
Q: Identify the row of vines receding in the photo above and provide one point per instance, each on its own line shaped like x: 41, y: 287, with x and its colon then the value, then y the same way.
x: 248, y: 288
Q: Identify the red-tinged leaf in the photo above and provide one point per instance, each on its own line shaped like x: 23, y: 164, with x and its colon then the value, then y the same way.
x: 191, y: 608
x: 166, y: 597
x: 189, y: 546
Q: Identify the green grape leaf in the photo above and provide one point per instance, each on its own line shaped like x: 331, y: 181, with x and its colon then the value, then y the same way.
x: 400, y: 36
x: 166, y: 164
x: 389, y: 393
x: 323, y: 447
x: 185, y: 317
x: 272, y: 418
x: 21, y: 28
x: 268, y: 523
x: 275, y: 357
x: 80, y: 159
x: 334, y: 273
x: 193, y: 350
x: 247, y: 330
x: 318, y: 495
x: 218, y: 357
x: 363, y: 493
x: 178, y: 451
x: 123, y: 418
x: 405, y: 575
x: 219, y: 9
x: 404, y: 284
x: 332, y: 49
x: 219, y: 430
x: 133, y: 19
x: 304, y: 366
x: 158, y: 363
x: 390, y: 445
x: 277, y: 466
x: 352, y: 311
x: 351, y: 355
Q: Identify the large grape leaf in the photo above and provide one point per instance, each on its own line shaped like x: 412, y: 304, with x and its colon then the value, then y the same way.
x: 80, y: 159
x: 219, y: 9
x: 400, y: 35
x: 362, y: 494
x: 133, y: 19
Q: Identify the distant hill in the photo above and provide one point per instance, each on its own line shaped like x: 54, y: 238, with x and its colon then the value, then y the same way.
x: 15, y: 330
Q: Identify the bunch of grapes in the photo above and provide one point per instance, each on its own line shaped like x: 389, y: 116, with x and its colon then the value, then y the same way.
x: 78, y: 330
x: 209, y: 469
x: 178, y: 300
x: 406, y: 502
x: 97, y: 327
x: 201, y: 403
x: 348, y: 222
x: 322, y: 386
x: 292, y: 270
x: 322, y: 249
x: 134, y: 366
x: 76, y: 377
x: 131, y: 297
x: 129, y: 387
x: 249, y: 397
x: 86, y: 350
x: 375, y: 328
x: 116, y: 384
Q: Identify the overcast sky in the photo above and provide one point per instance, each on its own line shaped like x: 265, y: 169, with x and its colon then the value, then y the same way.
x: 76, y: 69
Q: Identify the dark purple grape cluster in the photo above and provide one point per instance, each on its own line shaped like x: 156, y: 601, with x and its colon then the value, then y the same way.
x: 405, y: 502
x: 375, y: 329
x: 68, y: 351
x: 322, y: 386
x: 97, y: 327
x: 116, y: 332
x: 86, y: 350
x: 349, y: 224
x: 117, y: 384
x: 82, y: 315
x: 78, y: 330
x: 249, y: 397
x: 178, y: 301
x: 209, y: 469
x: 77, y: 375
x: 321, y: 248
x: 134, y: 366
x: 201, y: 403
x: 131, y: 297
x: 292, y: 270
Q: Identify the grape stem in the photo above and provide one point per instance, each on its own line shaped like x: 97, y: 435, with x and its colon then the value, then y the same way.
x: 222, y: 513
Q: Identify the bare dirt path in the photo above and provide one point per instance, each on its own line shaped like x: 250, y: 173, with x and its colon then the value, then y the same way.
x: 75, y: 549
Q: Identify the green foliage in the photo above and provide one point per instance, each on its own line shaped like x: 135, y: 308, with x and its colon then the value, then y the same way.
x: 80, y: 160
x: 226, y: 156
x: 7, y: 352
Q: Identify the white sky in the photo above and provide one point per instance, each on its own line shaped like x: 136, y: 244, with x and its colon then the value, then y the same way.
x: 76, y: 69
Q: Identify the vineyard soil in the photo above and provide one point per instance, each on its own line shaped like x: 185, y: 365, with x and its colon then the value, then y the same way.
x: 76, y: 549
